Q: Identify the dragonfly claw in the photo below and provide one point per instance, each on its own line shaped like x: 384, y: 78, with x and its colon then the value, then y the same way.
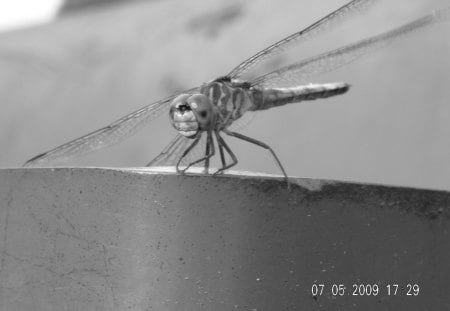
x: 218, y: 172
x: 181, y: 172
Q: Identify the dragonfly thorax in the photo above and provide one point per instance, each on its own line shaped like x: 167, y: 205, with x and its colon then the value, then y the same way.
x: 190, y: 114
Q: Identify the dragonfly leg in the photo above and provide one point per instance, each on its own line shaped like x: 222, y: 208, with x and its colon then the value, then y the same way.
x: 210, y: 142
x: 221, y: 152
x: 185, y: 152
x: 223, y: 144
x: 207, y: 159
x: 222, y: 155
x: 261, y: 144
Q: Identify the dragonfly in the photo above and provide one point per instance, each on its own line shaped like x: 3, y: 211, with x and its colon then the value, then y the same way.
x: 210, y: 110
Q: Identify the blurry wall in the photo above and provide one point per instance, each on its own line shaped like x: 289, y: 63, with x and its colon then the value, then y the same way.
x: 70, y: 6
x: 65, y: 79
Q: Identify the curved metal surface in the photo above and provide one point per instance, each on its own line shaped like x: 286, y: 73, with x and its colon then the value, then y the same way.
x: 108, y: 239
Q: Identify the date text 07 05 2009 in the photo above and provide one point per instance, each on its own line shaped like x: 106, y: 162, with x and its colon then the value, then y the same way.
x: 409, y: 289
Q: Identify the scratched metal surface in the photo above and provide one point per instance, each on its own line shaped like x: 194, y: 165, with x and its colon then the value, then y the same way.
x: 103, y: 239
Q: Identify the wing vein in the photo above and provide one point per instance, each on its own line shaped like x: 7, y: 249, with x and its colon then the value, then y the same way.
x: 299, y: 72
x: 351, y: 8
x: 106, y: 136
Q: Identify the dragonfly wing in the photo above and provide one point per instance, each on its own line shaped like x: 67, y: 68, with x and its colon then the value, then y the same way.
x: 352, y: 8
x: 173, y: 151
x: 106, y: 136
x: 300, y: 72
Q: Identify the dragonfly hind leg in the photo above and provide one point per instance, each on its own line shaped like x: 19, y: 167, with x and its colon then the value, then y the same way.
x: 261, y: 144
x: 222, y: 155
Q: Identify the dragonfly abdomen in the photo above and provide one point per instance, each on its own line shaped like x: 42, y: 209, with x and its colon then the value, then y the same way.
x: 274, y: 97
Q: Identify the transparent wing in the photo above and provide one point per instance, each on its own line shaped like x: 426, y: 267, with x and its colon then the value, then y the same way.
x: 300, y: 72
x: 353, y: 8
x: 173, y: 151
x: 106, y: 136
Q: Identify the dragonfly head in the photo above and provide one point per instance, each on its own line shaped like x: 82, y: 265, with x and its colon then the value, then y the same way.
x: 190, y: 114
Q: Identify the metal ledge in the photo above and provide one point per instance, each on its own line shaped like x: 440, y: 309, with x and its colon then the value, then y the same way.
x: 132, y: 239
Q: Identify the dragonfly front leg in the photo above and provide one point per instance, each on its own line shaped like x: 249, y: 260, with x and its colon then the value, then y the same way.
x: 223, y: 144
x: 209, y: 147
x: 185, y: 152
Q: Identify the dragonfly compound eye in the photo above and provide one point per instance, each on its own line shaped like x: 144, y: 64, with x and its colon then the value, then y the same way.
x: 182, y: 117
x: 203, y: 109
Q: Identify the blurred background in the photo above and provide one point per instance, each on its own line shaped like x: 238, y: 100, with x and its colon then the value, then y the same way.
x: 70, y: 67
